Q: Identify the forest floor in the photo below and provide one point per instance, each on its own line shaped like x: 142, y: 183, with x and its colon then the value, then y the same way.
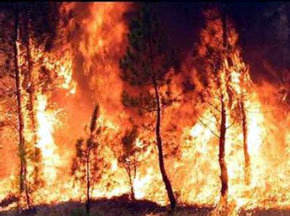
x: 122, y: 207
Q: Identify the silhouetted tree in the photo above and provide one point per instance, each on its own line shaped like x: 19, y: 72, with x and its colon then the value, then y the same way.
x: 218, y: 60
x: 223, y: 128
x: 22, y: 152
x: 128, y: 157
x: 85, y: 167
x: 245, y: 141
x: 21, y: 26
x: 213, y: 52
x: 146, y: 63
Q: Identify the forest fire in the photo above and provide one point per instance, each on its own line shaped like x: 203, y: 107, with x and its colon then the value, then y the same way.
x: 97, y: 105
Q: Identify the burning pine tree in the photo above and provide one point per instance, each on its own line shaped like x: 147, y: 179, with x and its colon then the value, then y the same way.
x: 86, y: 167
x: 146, y: 63
x: 217, y: 145
x: 128, y: 157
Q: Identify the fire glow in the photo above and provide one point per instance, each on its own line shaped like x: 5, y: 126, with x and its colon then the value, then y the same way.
x: 85, y: 70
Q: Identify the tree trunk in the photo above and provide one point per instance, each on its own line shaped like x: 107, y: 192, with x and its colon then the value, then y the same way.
x: 160, y: 150
x: 223, y: 129
x: 222, y: 139
x: 88, y: 183
x: 131, y: 183
x: 245, y: 140
x: 31, y: 92
x: 22, y: 153
x: 165, y: 179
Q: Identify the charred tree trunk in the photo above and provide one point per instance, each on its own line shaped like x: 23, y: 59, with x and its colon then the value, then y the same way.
x: 245, y: 140
x: 165, y: 178
x: 222, y: 140
x: 88, y: 180
x: 22, y: 153
x: 160, y: 150
x: 223, y: 129
x: 31, y: 92
x: 134, y: 176
x: 131, y: 183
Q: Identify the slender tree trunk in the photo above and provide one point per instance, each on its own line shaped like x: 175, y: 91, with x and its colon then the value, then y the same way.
x: 134, y: 175
x: 88, y: 183
x: 223, y: 167
x: 245, y: 140
x: 223, y: 129
x: 160, y: 150
x: 165, y: 179
x: 131, y: 183
x: 31, y: 93
x: 22, y: 153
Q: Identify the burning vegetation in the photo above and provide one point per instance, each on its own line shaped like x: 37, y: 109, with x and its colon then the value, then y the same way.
x: 96, y: 104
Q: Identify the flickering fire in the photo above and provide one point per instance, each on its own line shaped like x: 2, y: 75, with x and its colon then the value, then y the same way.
x: 50, y: 158
x: 86, y: 69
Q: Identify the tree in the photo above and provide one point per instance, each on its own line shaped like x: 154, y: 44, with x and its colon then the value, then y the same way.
x: 11, y: 70
x: 213, y: 62
x: 8, y: 101
x: 85, y: 167
x: 128, y: 156
x: 241, y: 95
x: 22, y: 152
x: 242, y: 98
x: 29, y: 85
x: 145, y: 65
x: 28, y: 27
x: 223, y: 128
x: 26, y: 30
x: 226, y: 86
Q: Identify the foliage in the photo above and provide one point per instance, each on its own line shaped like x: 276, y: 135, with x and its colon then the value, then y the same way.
x: 35, y: 23
x: 87, y: 152
x: 147, y: 65
x: 148, y: 60
x: 129, y: 155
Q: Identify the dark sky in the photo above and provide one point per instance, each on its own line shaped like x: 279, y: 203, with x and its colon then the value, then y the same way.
x: 263, y: 30
x: 184, y: 20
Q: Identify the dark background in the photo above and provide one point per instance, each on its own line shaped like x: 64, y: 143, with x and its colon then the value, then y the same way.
x: 263, y: 30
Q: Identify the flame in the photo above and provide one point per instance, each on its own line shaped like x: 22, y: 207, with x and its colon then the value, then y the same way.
x: 47, y: 121
x: 85, y: 69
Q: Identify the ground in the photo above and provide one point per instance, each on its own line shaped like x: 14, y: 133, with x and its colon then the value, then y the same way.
x: 123, y: 207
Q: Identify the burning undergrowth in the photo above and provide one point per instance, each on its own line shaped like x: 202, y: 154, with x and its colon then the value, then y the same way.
x: 222, y: 140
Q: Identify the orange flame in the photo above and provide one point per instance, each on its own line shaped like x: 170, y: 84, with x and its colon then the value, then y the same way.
x: 87, y: 70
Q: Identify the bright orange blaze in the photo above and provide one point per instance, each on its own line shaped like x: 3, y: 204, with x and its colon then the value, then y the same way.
x: 195, y: 174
